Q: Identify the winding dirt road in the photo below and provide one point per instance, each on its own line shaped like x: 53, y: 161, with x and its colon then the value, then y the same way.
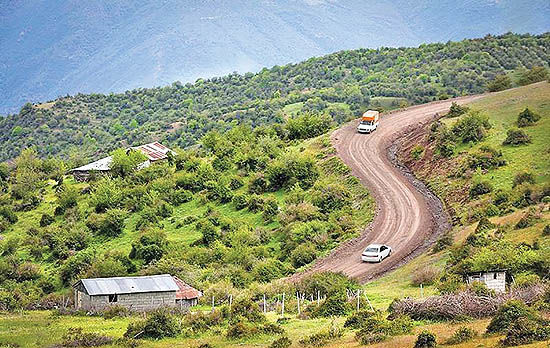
x: 408, y: 217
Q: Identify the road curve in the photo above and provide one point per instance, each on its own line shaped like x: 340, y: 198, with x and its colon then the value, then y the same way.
x: 408, y: 217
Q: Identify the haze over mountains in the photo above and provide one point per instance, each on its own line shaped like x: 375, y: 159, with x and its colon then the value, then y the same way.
x: 57, y: 47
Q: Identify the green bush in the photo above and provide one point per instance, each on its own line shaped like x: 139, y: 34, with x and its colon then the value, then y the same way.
x: 546, y: 230
x: 535, y: 74
x: 499, y: 83
x: 282, y: 342
x: 322, y: 338
x: 149, y: 247
x: 457, y: 110
x: 240, y: 201
x: 479, y: 187
x: 308, y: 125
x: 358, y: 319
x: 331, y: 197
x: 241, y: 329
x: 523, y: 177
x: 425, y: 339
x: 46, y: 220
x: 334, y: 305
x: 7, y: 213
x: 246, y: 308
x: 527, y: 118
x: 255, y: 203
x: 200, y: 321
x: 159, y: 324
x: 258, y: 184
x: 524, y: 331
x: 417, y: 152
x: 516, y: 137
x: 303, y: 255
x: 109, y: 224
x: 462, y: 334
x: 472, y: 127
x: 115, y: 311
x: 508, y: 313
x: 270, y: 209
x: 485, y: 158
x: 268, y: 270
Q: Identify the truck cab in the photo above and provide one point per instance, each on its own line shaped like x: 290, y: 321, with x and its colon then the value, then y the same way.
x: 369, y: 122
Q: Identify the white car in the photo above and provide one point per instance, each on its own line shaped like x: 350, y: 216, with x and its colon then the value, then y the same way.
x: 367, y: 126
x: 376, y: 253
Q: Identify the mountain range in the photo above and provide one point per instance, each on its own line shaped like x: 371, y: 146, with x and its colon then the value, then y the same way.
x: 57, y: 47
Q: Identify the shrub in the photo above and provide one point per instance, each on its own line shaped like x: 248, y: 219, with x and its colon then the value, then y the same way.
x: 271, y: 209
x: 255, y: 203
x: 109, y: 224
x: 115, y: 311
x: 525, y: 331
x: 241, y: 329
x: 331, y: 197
x: 479, y: 187
x: 425, y: 339
x: 516, y: 137
x: 527, y: 118
x: 485, y: 158
x: 67, y: 197
x: 258, y: 184
x: 333, y: 305
x: 8, y: 214
x: 267, y: 270
x: 417, y: 152
x: 472, y: 127
x: 282, y: 342
x: 46, y: 220
x: 272, y: 329
x: 528, y: 219
x: 499, y: 83
x: 149, y: 247
x: 546, y: 230
x: 358, y: 319
x: 535, y: 74
x: 159, y: 324
x: 457, y: 110
x: 462, y: 334
x: 442, y: 242
x: 303, y: 255
x: 75, y: 337
x: 240, y: 201
x: 523, y: 177
x: 199, y: 321
x: 323, y: 337
x: 508, y: 313
x: 246, y: 308
x: 308, y: 125
x: 427, y: 276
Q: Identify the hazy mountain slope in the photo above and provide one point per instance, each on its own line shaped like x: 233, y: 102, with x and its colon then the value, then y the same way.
x: 55, y: 47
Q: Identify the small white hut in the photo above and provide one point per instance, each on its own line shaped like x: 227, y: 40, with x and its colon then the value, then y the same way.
x: 494, y: 279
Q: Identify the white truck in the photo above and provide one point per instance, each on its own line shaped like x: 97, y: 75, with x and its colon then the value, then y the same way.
x: 369, y: 122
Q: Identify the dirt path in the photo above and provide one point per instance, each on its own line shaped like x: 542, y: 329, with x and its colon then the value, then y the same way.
x: 408, y: 217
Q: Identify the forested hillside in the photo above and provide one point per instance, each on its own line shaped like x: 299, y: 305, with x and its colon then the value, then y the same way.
x: 58, y: 47
x: 340, y: 85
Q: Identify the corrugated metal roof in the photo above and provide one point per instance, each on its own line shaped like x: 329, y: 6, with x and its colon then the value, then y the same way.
x: 102, y: 165
x: 154, y: 151
x: 128, y: 285
x: 186, y: 291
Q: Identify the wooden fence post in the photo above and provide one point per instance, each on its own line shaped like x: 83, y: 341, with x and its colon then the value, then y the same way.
x: 265, y: 309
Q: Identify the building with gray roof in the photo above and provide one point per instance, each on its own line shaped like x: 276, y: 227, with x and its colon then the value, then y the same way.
x: 135, y: 293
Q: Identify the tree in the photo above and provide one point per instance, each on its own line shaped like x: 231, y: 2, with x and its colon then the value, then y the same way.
x: 516, y: 137
x: 126, y: 162
x: 500, y: 83
x: 535, y: 74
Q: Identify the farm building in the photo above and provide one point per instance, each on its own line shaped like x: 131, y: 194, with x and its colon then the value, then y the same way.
x: 154, y: 151
x: 494, y: 280
x: 135, y: 293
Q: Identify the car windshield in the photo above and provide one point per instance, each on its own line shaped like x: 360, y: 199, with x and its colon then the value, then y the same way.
x: 366, y: 122
x: 371, y: 250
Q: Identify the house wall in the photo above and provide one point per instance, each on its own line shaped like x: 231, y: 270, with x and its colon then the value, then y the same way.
x: 488, y: 278
x: 136, y: 302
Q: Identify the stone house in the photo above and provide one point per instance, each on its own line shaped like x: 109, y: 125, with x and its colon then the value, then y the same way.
x: 135, y: 293
x: 494, y: 280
